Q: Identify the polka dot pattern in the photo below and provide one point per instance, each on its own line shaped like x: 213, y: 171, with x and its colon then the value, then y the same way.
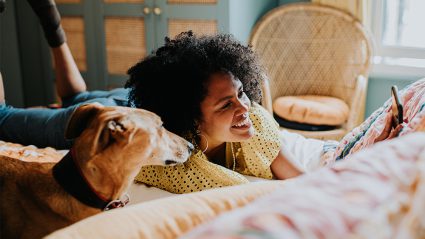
x: 194, y: 175
x: 253, y: 157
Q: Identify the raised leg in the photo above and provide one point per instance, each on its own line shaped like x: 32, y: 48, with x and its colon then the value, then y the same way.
x: 49, y: 18
x: 69, y: 81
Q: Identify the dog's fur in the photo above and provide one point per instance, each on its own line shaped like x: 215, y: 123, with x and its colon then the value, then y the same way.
x: 112, y: 144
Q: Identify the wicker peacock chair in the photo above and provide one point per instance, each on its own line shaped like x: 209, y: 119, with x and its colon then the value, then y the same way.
x: 312, y: 49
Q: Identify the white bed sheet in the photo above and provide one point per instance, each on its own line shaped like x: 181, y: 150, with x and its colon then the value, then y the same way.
x: 141, y: 193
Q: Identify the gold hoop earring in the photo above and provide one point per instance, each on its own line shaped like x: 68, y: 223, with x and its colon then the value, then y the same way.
x: 206, y: 140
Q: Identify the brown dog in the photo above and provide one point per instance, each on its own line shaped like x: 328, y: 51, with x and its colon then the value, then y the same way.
x: 112, y: 144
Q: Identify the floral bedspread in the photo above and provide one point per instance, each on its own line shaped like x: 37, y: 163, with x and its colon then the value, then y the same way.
x: 376, y: 193
x: 30, y: 153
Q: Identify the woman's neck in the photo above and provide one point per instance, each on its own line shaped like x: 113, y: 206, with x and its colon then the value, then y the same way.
x: 217, y: 154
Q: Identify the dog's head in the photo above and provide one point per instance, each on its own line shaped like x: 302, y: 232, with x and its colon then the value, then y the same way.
x: 117, y: 141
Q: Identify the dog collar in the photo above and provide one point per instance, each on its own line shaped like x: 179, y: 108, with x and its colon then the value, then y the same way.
x: 68, y: 174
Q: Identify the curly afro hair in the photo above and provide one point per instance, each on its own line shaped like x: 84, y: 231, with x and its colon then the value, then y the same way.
x: 172, y: 81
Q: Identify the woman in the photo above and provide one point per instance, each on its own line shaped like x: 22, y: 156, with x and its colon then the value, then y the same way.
x: 207, y: 89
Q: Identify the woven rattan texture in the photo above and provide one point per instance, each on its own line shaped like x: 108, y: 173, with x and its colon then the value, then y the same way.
x: 125, y: 42
x: 74, y: 28
x: 192, y: 1
x: 311, y: 49
x: 199, y: 27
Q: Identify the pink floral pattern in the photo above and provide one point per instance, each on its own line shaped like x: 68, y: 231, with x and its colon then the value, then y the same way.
x: 377, y: 193
x: 413, y: 98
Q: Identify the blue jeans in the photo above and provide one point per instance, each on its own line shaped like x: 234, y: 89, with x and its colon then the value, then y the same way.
x: 46, y: 127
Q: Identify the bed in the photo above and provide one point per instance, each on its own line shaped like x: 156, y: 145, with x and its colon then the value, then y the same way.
x: 366, y: 190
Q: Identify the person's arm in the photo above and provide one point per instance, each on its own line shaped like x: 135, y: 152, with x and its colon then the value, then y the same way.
x: 283, y: 167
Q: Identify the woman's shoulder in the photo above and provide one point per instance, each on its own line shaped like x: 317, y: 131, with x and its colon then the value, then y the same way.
x: 255, y: 107
x: 261, y: 118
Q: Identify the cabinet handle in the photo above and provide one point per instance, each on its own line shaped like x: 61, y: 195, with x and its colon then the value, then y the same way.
x: 146, y: 10
x: 157, y: 10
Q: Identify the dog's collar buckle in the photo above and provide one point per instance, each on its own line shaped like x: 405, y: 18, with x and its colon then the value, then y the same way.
x: 117, y: 203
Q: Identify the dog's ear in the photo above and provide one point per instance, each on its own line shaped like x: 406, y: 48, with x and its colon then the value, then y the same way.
x: 118, y: 130
x: 81, y: 118
x: 121, y: 129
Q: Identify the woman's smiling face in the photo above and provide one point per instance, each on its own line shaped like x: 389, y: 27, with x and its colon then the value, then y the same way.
x: 225, y: 111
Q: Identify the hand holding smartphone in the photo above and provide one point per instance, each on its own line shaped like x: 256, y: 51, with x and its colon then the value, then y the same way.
x: 393, y: 125
x: 396, y: 107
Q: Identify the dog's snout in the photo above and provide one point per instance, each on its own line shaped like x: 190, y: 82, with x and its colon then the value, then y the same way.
x: 190, y: 148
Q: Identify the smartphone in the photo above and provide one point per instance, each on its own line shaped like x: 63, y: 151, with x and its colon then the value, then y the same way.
x: 396, y: 107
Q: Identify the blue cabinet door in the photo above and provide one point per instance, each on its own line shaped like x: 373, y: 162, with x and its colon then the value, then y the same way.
x: 201, y: 16
x: 125, y: 35
x: 236, y: 17
x: 107, y: 37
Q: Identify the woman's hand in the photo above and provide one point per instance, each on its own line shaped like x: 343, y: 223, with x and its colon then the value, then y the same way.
x: 389, y: 132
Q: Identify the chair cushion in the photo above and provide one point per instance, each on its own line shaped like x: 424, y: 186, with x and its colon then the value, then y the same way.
x: 312, y: 109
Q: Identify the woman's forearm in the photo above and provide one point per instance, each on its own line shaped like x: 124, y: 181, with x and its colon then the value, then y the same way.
x: 283, y: 168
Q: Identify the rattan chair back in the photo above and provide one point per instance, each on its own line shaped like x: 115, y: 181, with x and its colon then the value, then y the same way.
x: 311, y: 49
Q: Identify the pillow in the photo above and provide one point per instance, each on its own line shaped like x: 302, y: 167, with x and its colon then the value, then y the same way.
x: 312, y: 109
x: 418, y: 124
x: 168, y: 217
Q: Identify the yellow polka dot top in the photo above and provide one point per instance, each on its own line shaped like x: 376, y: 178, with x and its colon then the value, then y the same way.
x: 251, y: 157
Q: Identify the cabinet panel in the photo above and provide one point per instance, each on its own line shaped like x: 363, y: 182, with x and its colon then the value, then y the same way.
x: 74, y: 29
x: 125, y: 43
x: 125, y: 35
x: 78, y: 20
x: 199, y: 27
x: 200, y: 16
